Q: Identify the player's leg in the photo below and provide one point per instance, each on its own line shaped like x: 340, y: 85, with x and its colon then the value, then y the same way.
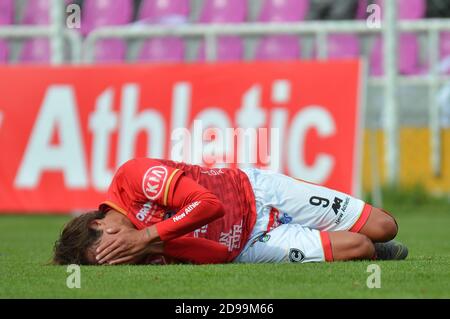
x: 295, y: 243
x: 380, y: 226
x: 282, y: 199
x: 321, y: 208
x: 351, y: 246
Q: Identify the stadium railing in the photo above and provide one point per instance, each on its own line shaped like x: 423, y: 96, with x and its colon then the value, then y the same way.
x: 57, y: 39
x: 56, y: 31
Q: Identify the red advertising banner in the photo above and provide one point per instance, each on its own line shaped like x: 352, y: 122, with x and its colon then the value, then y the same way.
x: 65, y: 130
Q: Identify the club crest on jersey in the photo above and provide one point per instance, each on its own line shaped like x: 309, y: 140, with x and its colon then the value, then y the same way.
x: 264, y: 238
x: 296, y: 255
x: 154, y: 181
x: 285, y: 219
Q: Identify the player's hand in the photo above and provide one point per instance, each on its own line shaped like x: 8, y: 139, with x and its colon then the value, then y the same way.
x: 152, y: 250
x: 124, y: 245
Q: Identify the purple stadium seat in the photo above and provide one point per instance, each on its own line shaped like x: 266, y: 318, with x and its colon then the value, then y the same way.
x: 343, y: 46
x: 6, y: 12
x: 97, y: 13
x: 168, y: 49
x: 37, y: 12
x: 164, y: 12
x: 229, y: 48
x: 284, y: 10
x: 6, y: 17
x: 282, y: 47
x: 408, y: 55
x: 411, y: 9
x: 36, y: 50
x: 110, y: 50
x: 224, y: 11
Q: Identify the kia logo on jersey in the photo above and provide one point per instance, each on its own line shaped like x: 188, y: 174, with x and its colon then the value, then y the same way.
x: 154, y: 181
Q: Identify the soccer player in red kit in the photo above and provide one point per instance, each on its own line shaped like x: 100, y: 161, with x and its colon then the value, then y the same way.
x: 160, y: 211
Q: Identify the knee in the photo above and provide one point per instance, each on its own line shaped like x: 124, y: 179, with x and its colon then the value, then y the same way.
x: 362, y: 247
x: 387, y: 226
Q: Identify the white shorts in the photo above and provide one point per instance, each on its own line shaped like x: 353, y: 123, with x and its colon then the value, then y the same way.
x: 294, y: 218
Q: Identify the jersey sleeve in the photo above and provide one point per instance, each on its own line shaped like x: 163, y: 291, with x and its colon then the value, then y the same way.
x: 117, y: 196
x: 196, y: 206
x: 141, y: 179
x: 144, y: 179
x: 197, y: 251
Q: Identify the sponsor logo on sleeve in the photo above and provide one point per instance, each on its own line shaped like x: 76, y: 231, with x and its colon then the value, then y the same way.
x: 186, y: 212
x: 144, y: 211
x: 154, y: 181
x: 337, y: 205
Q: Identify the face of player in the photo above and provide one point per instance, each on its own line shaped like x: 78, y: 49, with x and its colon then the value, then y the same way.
x: 113, y: 219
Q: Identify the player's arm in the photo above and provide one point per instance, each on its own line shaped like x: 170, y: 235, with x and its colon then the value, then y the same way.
x: 197, y: 251
x: 189, y: 250
x: 195, y: 204
x: 196, y: 207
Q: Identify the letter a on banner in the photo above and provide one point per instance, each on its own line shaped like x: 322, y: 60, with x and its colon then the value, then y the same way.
x: 58, y: 112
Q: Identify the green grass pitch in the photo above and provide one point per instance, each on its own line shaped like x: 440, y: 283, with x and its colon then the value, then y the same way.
x: 26, y: 243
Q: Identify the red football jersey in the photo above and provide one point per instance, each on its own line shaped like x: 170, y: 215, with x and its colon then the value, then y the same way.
x: 143, y: 189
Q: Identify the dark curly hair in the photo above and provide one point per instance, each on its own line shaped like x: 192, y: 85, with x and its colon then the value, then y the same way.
x: 76, y: 238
